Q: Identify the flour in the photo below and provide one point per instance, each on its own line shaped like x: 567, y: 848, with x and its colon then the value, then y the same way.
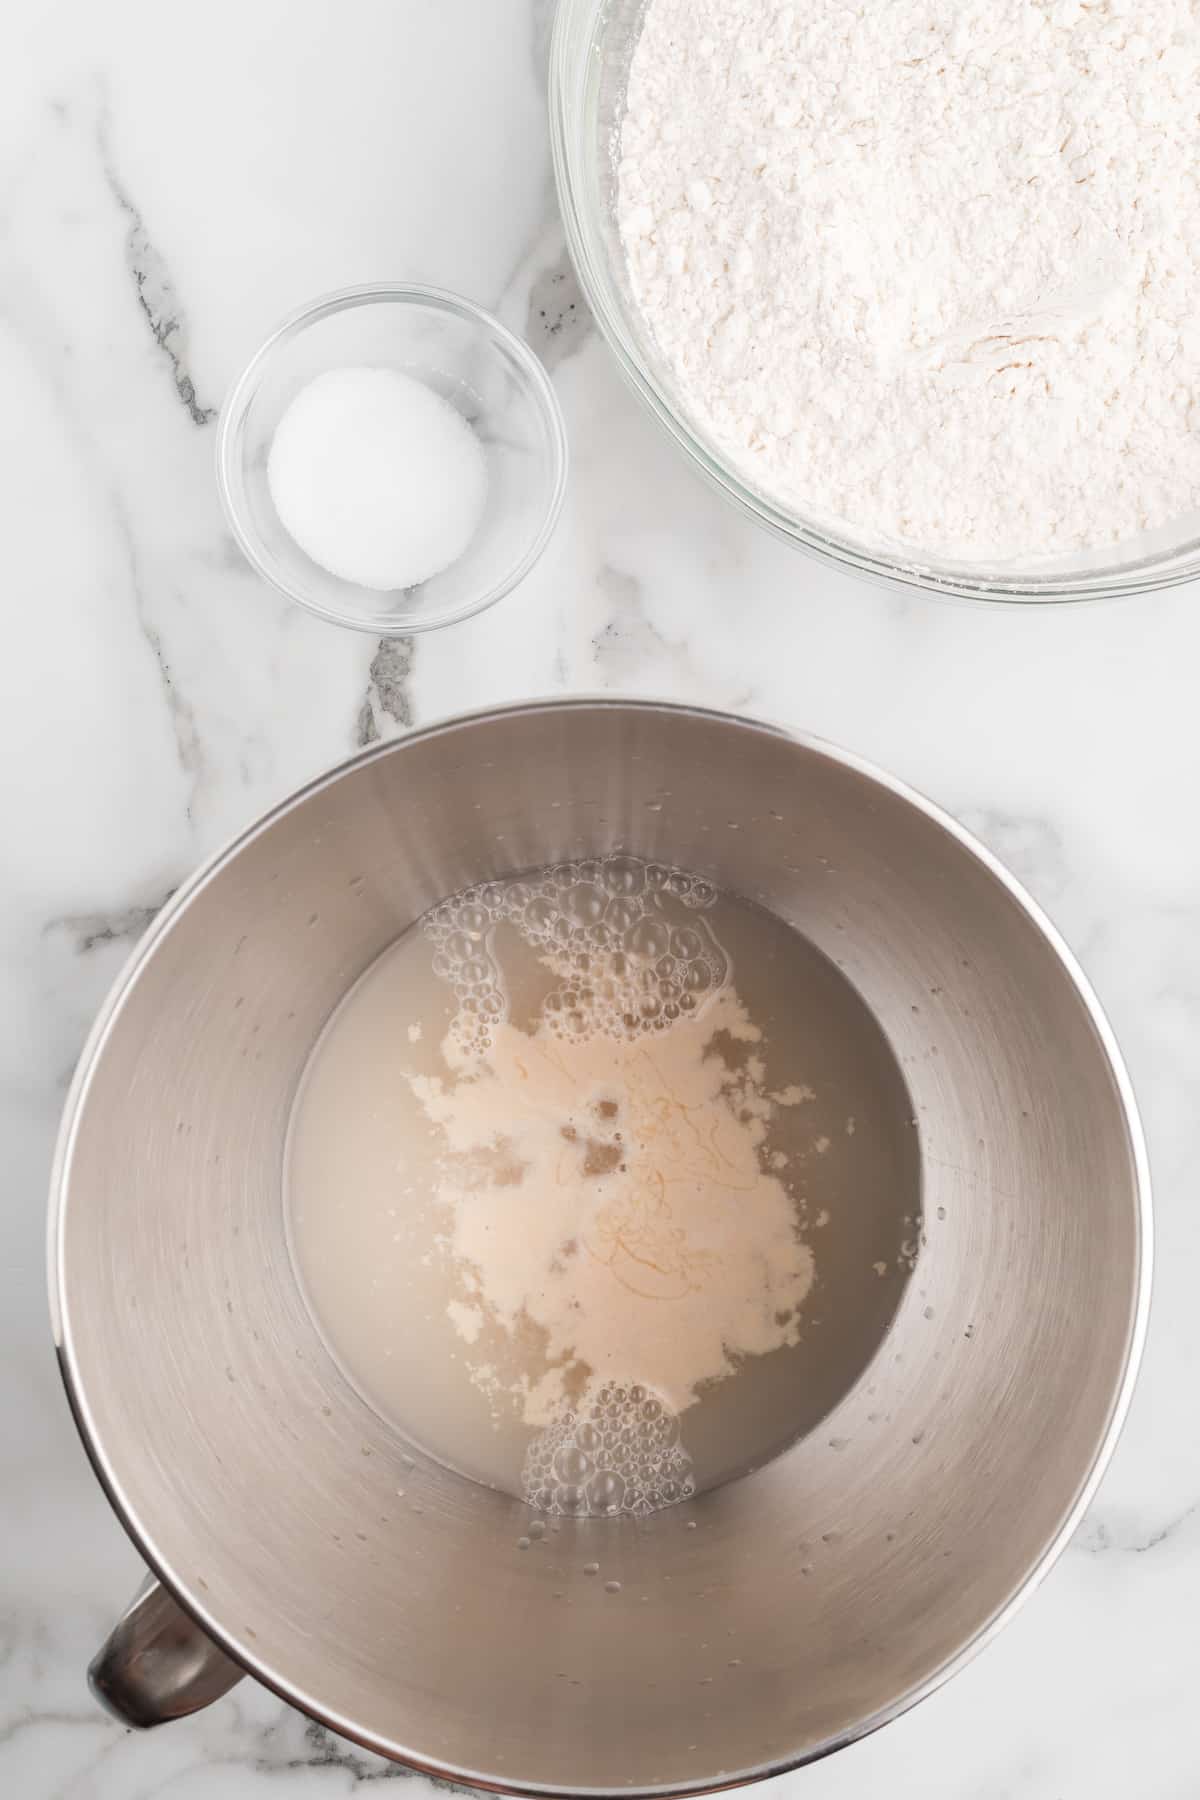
x: 929, y: 270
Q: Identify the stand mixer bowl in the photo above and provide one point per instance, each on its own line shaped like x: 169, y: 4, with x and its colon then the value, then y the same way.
x: 814, y: 1599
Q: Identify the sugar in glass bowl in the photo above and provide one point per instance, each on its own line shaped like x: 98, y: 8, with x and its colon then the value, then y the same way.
x: 592, y: 48
x: 493, y: 380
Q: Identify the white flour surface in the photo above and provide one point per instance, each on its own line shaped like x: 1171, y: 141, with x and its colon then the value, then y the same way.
x: 929, y: 269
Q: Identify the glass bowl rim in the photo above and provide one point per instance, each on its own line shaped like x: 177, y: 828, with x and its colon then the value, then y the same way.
x: 240, y: 395
x: 1172, y: 568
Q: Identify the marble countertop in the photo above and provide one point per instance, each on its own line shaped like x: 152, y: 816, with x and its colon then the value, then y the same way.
x: 170, y: 186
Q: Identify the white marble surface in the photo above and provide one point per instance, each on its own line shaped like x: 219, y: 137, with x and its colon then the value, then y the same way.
x: 172, y: 182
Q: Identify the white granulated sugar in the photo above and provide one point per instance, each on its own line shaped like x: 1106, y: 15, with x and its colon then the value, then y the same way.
x: 929, y: 268
x: 377, y: 477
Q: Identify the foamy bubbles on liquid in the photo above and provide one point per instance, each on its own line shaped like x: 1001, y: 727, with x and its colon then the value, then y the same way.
x: 618, y: 1452
x: 628, y: 952
x: 490, y: 1238
x: 626, y: 956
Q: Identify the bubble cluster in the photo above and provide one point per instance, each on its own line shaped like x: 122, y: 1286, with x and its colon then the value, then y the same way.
x: 618, y: 1452
x: 624, y: 939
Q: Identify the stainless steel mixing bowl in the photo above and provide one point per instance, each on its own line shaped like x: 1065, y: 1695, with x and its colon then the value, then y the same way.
x: 592, y: 47
x: 813, y: 1600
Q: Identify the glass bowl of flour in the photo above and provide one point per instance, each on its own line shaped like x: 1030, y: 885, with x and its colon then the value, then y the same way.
x: 915, y: 289
x: 393, y: 459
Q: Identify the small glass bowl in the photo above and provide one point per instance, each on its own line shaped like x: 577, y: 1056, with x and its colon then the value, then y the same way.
x: 492, y: 378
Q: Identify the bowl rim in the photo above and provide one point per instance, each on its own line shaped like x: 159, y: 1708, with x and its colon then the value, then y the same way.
x: 243, y: 1653
x: 240, y: 394
x: 899, y: 572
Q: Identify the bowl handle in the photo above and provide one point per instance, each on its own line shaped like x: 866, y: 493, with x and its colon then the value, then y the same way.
x: 157, y: 1665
